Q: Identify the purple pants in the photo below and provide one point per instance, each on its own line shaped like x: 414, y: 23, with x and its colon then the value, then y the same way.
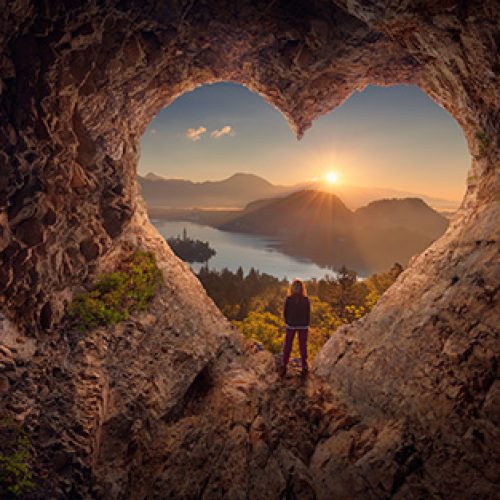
x: 287, y: 349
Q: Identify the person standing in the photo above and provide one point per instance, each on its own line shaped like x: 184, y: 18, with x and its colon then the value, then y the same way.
x: 297, y: 315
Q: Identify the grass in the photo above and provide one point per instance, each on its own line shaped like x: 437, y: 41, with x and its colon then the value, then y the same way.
x: 15, y: 458
x: 116, y: 295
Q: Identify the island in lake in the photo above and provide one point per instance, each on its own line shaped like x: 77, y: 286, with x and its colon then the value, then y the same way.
x: 190, y: 250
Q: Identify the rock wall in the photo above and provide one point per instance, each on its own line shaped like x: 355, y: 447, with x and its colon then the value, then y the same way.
x: 172, y: 403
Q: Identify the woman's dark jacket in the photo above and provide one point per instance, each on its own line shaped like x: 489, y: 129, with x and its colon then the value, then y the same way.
x: 297, y: 311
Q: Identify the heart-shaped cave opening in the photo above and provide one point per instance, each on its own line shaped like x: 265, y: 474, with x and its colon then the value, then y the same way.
x: 70, y: 187
x: 249, y: 207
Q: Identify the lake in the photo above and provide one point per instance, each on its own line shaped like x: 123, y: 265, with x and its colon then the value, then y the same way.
x: 245, y: 250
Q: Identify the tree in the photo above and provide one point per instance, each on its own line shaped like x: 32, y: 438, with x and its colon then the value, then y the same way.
x: 378, y: 283
x: 239, y: 274
x: 343, y: 290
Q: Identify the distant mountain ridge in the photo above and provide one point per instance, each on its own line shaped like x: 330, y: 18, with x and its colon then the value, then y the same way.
x: 242, y: 188
x: 235, y: 191
x: 358, y: 196
x: 319, y: 226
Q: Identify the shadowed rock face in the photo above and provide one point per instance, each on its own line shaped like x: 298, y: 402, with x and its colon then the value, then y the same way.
x: 172, y: 404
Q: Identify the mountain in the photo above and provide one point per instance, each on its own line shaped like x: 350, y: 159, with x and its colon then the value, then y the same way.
x: 292, y: 215
x: 394, y: 230
x: 151, y: 176
x: 358, y: 196
x: 241, y: 189
x: 319, y: 226
x: 235, y: 191
x: 407, y: 212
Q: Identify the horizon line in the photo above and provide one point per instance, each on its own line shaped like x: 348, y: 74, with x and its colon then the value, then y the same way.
x: 299, y: 184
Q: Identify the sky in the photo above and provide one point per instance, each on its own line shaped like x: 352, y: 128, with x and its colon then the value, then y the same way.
x: 391, y: 137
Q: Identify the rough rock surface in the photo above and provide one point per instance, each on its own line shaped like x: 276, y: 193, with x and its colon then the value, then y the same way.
x: 173, y: 404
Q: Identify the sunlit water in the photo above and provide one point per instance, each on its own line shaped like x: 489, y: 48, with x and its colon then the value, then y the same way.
x: 237, y: 249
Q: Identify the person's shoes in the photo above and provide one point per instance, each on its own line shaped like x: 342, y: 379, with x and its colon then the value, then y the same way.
x: 282, y: 371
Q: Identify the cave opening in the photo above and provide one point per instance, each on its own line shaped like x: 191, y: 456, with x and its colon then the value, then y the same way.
x: 98, y: 140
x: 204, y: 170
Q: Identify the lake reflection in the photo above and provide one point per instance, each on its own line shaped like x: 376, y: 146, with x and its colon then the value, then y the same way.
x: 245, y: 250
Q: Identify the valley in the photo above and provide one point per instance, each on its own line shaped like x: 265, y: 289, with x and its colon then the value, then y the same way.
x: 315, y: 225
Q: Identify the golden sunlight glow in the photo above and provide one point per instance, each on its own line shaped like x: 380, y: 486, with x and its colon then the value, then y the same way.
x: 331, y: 177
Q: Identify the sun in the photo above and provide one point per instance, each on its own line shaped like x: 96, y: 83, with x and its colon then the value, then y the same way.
x: 331, y: 177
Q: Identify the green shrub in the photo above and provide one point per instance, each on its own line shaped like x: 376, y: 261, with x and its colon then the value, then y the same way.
x: 263, y: 327
x: 116, y: 295
x: 15, y: 458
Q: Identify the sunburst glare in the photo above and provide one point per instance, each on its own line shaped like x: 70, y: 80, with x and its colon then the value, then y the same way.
x: 331, y: 177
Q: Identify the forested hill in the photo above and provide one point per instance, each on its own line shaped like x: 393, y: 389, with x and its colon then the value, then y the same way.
x: 408, y: 212
x: 294, y: 215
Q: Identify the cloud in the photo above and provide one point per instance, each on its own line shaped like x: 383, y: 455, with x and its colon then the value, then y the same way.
x: 226, y: 130
x: 153, y: 131
x: 194, y: 134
